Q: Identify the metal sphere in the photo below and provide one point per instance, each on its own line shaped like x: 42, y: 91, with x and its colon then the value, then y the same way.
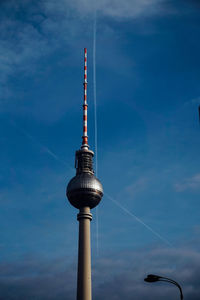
x: 84, y: 190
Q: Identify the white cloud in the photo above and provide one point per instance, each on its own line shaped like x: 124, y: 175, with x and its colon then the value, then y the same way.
x: 192, y: 183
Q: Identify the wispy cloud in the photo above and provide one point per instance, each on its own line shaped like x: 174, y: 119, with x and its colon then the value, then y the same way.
x: 47, y: 24
x: 119, y: 9
x: 194, y: 101
x: 21, y: 45
x: 192, y: 183
x: 138, y: 186
x: 25, y: 40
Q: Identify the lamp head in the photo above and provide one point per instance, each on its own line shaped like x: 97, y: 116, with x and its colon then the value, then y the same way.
x: 152, y: 278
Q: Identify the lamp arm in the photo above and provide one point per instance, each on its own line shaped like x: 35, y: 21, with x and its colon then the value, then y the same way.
x: 173, y: 282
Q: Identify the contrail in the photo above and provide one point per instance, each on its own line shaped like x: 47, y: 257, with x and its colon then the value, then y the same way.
x: 95, y: 119
x: 95, y: 90
x: 139, y: 220
x: 42, y: 147
x: 53, y: 155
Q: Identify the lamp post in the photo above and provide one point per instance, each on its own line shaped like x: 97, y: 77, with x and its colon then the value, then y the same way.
x: 154, y: 278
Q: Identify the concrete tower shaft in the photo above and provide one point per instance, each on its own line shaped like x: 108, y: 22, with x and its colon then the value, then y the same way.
x: 84, y: 280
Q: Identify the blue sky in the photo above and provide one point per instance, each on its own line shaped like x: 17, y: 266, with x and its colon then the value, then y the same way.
x: 148, y: 93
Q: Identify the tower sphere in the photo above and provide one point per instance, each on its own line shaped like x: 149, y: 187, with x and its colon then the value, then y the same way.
x: 84, y: 190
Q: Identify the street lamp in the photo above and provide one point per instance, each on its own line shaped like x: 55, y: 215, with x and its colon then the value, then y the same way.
x: 154, y: 278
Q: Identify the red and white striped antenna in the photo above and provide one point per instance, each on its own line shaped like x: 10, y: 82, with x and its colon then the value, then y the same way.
x: 85, y: 105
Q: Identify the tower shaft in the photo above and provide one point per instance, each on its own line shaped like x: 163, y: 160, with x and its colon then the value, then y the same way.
x: 84, y: 285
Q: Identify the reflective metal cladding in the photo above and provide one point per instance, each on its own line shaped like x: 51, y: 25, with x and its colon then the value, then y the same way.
x: 84, y: 190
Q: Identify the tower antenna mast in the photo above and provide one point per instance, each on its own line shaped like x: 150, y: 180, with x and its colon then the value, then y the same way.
x: 85, y: 105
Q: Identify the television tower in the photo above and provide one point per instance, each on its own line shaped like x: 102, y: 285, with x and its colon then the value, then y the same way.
x: 84, y: 192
